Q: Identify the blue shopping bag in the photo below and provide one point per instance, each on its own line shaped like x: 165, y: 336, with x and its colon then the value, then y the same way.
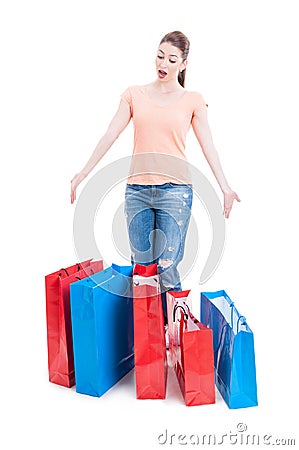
x: 102, y: 327
x: 234, y: 355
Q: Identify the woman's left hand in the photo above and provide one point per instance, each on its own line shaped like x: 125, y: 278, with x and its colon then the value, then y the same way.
x: 229, y: 198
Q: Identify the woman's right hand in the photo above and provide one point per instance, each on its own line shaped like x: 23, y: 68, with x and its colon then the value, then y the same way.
x: 75, y: 183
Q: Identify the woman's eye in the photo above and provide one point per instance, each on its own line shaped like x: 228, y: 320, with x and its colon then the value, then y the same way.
x: 173, y: 62
x: 160, y: 57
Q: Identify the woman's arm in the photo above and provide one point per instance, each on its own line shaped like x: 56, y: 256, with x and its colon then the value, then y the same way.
x: 117, y: 125
x: 204, y: 136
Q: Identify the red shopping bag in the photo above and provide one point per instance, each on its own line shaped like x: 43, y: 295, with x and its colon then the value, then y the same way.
x: 58, y: 316
x: 191, y: 348
x: 149, y: 335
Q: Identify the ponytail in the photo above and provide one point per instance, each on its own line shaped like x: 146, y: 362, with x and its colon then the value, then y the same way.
x: 181, y: 78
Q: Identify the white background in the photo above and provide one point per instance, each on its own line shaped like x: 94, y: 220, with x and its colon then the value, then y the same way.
x: 64, y: 66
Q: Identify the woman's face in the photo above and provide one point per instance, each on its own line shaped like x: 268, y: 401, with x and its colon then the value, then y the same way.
x: 169, y: 62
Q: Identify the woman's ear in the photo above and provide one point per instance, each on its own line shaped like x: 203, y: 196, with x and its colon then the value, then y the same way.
x: 183, y: 65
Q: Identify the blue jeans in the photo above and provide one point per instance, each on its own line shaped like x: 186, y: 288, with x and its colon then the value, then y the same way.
x: 157, y: 218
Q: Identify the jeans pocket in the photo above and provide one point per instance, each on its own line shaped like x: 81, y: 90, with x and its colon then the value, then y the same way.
x: 130, y: 189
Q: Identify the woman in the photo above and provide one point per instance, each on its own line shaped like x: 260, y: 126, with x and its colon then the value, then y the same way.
x: 158, y: 195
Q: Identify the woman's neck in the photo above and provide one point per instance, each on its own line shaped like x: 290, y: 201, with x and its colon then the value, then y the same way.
x: 167, y: 86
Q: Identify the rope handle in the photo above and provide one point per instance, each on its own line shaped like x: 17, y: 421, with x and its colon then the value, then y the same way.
x: 232, y: 306
x: 79, y: 267
x: 181, y: 307
x: 65, y: 272
x: 243, y: 323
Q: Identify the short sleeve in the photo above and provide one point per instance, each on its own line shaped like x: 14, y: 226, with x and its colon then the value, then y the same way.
x: 127, y: 97
x: 199, y: 102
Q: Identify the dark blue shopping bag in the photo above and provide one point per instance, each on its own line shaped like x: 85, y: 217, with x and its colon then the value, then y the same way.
x: 234, y: 355
x: 102, y: 327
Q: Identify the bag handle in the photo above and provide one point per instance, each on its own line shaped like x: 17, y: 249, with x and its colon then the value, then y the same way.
x: 91, y: 270
x: 181, y: 307
x: 232, y: 305
x: 65, y: 272
x: 79, y: 267
x: 243, y: 323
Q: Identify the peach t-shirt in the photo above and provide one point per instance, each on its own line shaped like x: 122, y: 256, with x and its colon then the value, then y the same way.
x: 159, y: 136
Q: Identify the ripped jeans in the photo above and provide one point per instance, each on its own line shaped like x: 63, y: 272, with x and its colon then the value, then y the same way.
x: 157, y: 218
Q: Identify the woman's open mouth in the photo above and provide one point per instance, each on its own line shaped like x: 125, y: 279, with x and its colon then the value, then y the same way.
x: 162, y: 73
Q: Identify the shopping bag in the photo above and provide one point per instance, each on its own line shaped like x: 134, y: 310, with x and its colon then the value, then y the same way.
x: 102, y: 325
x: 234, y: 355
x: 191, y: 350
x: 175, y: 298
x: 149, y: 335
x: 59, y: 332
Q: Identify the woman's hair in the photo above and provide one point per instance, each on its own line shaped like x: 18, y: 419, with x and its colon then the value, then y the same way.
x: 179, y: 40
